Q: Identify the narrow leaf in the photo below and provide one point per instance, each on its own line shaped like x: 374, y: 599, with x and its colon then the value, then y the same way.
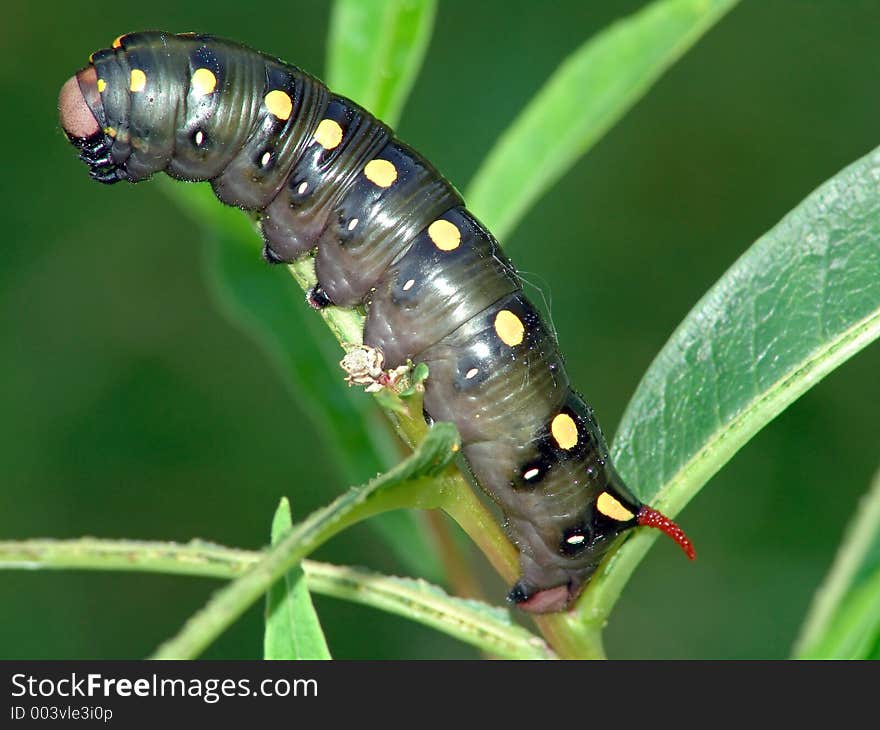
x: 844, y: 620
x: 267, y: 305
x: 293, y: 630
x: 408, y: 484
x: 375, y: 51
x: 854, y: 630
x: 593, y: 88
x: 800, y: 302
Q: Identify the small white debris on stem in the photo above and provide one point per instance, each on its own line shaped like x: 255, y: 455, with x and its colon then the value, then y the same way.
x: 364, y: 367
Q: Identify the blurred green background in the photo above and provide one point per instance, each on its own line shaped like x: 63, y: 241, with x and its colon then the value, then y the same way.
x: 132, y: 408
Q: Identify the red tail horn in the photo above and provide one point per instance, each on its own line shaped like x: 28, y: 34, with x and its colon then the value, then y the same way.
x: 652, y: 518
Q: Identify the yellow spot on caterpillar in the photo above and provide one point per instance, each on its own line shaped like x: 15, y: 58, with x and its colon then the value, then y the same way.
x: 91, y: 58
x: 381, y: 172
x: 138, y: 80
x: 279, y: 104
x: 328, y: 134
x: 564, y: 431
x: 203, y: 82
x: 117, y: 42
x: 101, y: 86
x: 444, y: 234
x: 110, y: 131
x: 509, y: 327
x: 611, y: 507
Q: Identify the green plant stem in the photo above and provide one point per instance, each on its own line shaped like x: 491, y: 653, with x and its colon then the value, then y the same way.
x: 487, y: 628
x: 88, y: 553
x: 198, y: 558
x: 465, y: 620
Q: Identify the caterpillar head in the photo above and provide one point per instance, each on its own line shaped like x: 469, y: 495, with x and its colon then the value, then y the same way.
x: 79, y: 109
x: 76, y: 116
x: 151, y: 102
x: 119, y: 117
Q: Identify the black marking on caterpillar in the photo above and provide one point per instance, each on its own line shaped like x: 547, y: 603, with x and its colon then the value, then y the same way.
x: 390, y: 233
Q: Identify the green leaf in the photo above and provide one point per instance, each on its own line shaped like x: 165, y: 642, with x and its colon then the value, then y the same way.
x: 844, y: 619
x: 854, y: 631
x: 266, y: 304
x: 409, y: 484
x: 375, y: 50
x: 800, y: 302
x: 593, y: 88
x: 293, y: 630
x: 474, y: 622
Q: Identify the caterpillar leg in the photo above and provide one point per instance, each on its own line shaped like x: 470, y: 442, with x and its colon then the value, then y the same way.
x: 317, y: 298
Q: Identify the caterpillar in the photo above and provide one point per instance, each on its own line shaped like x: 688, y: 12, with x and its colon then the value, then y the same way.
x: 388, y: 233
